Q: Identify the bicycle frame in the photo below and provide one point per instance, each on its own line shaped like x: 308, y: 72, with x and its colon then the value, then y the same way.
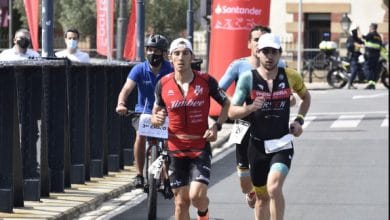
x: 155, y: 171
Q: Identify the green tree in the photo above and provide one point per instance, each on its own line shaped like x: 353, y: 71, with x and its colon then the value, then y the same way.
x: 167, y: 17
x: 79, y: 14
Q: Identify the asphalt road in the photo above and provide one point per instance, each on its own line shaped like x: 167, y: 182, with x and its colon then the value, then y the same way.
x: 339, y: 170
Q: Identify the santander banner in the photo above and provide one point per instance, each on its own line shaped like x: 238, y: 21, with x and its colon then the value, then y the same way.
x: 231, y: 21
x: 105, y: 27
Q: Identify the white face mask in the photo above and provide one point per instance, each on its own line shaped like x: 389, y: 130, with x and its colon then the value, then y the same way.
x: 72, y: 44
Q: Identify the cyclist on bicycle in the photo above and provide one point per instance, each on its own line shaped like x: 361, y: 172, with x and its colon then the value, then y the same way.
x: 145, y: 76
x: 184, y: 96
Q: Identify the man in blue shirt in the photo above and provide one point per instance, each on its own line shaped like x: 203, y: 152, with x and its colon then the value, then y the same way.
x: 145, y: 76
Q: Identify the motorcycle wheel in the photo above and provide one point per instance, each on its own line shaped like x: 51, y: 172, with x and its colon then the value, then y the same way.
x: 337, y: 78
x: 385, y: 77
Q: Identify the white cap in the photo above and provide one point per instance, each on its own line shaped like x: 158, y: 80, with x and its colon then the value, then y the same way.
x: 180, y: 43
x: 268, y: 40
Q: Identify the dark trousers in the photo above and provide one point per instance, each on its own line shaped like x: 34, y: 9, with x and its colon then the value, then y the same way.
x: 371, y: 66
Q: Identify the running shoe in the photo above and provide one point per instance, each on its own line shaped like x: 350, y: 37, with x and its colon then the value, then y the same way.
x: 138, y: 181
x: 251, y: 199
x: 206, y: 217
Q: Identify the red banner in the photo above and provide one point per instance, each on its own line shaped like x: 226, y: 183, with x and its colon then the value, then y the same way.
x: 32, y: 13
x: 231, y: 20
x: 130, y: 49
x: 105, y: 27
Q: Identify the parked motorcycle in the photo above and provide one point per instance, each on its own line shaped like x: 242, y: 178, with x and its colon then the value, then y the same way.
x: 340, y: 74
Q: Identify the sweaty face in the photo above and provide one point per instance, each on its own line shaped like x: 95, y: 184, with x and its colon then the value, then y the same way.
x: 268, y: 57
x: 181, y: 59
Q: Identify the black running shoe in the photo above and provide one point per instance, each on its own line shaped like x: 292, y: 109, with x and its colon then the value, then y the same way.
x: 370, y: 86
x: 138, y: 181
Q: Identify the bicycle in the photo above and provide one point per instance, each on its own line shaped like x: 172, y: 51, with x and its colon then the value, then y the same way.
x: 156, y: 165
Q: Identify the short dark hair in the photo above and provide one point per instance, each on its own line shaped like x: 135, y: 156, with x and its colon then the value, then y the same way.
x: 261, y: 28
x: 72, y: 30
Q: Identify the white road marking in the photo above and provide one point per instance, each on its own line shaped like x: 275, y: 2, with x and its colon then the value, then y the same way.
x: 369, y: 96
x: 385, y: 122
x: 347, y: 121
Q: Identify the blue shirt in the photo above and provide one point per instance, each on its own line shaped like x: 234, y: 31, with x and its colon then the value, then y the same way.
x: 146, y: 81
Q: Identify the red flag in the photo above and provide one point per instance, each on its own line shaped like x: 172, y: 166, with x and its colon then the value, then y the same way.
x: 130, y: 49
x: 230, y: 23
x: 105, y: 27
x: 31, y: 7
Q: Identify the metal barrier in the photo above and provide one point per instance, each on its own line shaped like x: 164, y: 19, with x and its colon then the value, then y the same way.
x: 58, y: 126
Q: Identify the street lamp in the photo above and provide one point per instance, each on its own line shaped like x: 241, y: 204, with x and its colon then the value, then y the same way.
x: 345, y: 23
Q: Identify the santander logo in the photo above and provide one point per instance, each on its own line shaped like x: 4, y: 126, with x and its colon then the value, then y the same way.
x: 237, y: 10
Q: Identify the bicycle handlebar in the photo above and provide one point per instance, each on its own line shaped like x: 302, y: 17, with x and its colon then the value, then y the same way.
x: 132, y: 114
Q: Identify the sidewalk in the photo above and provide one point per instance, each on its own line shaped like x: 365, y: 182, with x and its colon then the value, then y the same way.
x: 81, y: 198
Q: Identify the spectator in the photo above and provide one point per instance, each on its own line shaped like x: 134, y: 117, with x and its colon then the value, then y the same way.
x: 20, y: 50
x: 373, y: 44
x: 354, y: 44
x: 72, y: 52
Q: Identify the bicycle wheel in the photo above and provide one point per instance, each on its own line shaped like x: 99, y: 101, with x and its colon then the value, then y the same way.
x: 152, y: 184
x: 337, y: 78
x: 384, y: 77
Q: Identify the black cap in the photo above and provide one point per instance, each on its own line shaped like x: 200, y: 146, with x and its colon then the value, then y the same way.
x: 374, y: 25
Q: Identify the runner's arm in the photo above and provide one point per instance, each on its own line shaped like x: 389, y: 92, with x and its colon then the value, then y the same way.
x: 158, y: 112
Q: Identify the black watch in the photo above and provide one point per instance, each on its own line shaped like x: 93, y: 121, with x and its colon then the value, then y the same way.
x: 219, y: 126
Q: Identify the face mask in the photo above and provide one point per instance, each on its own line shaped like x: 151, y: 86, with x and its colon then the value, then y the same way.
x: 23, y: 42
x: 71, y: 44
x: 154, y: 60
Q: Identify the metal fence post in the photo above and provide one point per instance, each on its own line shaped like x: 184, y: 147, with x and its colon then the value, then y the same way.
x: 29, y: 94
x: 54, y: 82
x: 7, y: 124
x: 77, y: 82
x: 113, y: 120
x: 97, y: 119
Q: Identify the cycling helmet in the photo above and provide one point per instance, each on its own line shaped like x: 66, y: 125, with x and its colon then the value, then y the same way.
x: 157, y: 41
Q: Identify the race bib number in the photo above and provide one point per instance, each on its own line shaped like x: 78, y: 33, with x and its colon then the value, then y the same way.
x: 156, y: 167
x: 146, y: 128
x: 239, y: 130
x: 275, y: 145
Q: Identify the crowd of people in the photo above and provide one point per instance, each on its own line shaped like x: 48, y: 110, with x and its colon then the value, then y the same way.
x: 22, y: 43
